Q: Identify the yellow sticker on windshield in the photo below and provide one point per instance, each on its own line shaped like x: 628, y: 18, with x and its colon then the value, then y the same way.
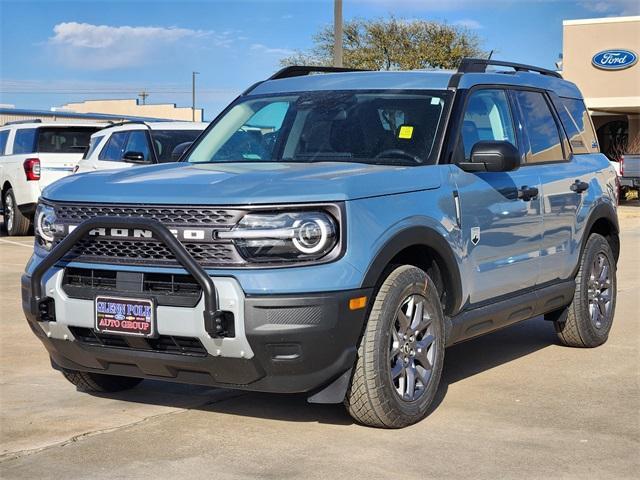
x: 406, y: 132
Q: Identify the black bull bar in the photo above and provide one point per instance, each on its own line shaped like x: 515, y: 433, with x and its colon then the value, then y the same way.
x: 213, y: 318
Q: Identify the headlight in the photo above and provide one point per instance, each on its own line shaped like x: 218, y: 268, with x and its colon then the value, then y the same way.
x: 45, y: 226
x: 281, y: 237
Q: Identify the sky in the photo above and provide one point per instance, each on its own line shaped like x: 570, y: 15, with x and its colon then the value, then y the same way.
x: 55, y: 52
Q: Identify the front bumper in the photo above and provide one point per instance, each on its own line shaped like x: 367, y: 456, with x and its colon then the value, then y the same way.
x: 282, y: 343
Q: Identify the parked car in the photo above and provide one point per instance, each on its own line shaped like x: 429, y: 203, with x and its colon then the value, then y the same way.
x: 137, y: 143
x: 331, y: 234
x: 32, y: 155
x: 630, y: 171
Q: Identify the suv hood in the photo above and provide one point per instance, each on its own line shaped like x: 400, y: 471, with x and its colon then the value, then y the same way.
x: 242, y: 183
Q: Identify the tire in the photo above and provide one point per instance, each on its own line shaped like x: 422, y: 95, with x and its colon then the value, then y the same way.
x: 99, y: 383
x: 576, y: 326
x: 374, y: 397
x: 15, y: 222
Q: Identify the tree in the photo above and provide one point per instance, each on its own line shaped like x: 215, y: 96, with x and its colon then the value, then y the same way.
x: 392, y: 44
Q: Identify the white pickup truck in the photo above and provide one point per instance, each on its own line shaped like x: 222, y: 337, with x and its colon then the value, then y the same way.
x: 34, y: 154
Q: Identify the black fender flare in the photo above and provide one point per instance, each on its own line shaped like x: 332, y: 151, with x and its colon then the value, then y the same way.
x: 601, y: 211
x: 419, y: 236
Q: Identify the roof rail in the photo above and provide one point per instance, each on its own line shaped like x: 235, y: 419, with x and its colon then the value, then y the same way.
x: 302, y: 70
x: 479, y: 65
x: 17, y: 122
x: 126, y: 122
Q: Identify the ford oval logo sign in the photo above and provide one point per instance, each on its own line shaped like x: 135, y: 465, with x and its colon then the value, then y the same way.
x: 614, y: 59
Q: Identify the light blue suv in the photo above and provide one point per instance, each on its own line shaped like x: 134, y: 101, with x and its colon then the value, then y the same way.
x: 331, y: 232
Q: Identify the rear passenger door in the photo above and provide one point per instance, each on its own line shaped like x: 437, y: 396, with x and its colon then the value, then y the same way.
x: 501, y: 232
x: 549, y: 153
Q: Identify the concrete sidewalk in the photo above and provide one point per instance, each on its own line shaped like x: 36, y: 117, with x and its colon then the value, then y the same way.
x: 513, y: 404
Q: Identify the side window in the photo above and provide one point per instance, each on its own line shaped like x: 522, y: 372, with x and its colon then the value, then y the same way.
x: 25, y: 140
x: 487, y: 117
x: 114, y: 149
x: 4, y: 135
x: 540, y: 125
x: 138, y: 142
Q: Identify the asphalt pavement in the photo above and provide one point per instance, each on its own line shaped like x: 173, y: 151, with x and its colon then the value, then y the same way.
x: 512, y: 404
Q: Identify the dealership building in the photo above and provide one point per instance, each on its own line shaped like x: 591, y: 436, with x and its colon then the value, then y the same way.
x: 601, y: 56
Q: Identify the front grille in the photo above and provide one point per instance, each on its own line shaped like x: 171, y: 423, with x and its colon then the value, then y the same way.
x: 166, y: 288
x: 163, y: 344
x: 166, y: 215
x: 209, y: 252
x: 139, y: 252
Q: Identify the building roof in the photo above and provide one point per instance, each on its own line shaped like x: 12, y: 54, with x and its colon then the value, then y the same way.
x: 70, y: 114
x: 591, y: 21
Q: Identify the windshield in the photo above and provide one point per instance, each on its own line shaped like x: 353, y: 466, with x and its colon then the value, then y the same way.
x: 165, y: 141
x: 64, y: 139
x: 385, y: 128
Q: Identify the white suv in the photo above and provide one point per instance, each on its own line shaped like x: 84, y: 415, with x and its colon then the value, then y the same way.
x: 34, y: 154
x: 134, y: 143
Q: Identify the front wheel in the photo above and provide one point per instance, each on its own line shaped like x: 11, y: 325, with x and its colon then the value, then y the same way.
x: 586, y: 322
x: 401, y: 354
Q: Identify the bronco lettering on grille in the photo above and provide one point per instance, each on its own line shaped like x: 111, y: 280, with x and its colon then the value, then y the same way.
x: 180, y: 234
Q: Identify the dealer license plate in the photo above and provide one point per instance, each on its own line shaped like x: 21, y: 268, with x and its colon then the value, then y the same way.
x: 127, y: 316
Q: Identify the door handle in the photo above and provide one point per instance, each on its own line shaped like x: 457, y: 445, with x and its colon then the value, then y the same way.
x: 579, y: 186
x: 527, y: 193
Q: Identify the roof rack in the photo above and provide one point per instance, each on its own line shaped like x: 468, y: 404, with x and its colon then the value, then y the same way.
x: 17, y: 122
x: 479, y: 65
x: 302, y: 70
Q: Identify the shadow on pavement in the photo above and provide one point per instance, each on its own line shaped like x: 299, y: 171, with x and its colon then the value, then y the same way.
x: 461, y: 362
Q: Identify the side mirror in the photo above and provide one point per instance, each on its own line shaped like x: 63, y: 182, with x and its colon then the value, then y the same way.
x: 492, y: 156
x: 179, y: 150
x: 134, y: 157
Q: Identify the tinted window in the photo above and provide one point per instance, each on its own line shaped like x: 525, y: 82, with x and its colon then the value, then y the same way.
x: 93, y: 144
x: 580, y: 116
x: 114, y: 149
x: 3, y: 141
x: 390, y: 127
x: 64, y: 140
x: 541, y: 128
x: 25, y: 140
x: 487, y: 117
x: 137, y: 142
x: 164, y: 141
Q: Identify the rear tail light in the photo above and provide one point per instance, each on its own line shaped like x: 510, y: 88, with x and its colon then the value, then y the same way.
x: 622, y: 166
x: 32, y: 168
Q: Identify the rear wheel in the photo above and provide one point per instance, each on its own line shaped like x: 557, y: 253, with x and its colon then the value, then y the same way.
x: 401, y: 354
x: 97, y: 382
x: 15, y: 222
x: 586, y: 322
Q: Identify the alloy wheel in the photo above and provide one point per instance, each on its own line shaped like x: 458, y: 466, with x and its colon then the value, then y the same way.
x: 9, y: 212
x: 413, y: 348
x: 599, y: 291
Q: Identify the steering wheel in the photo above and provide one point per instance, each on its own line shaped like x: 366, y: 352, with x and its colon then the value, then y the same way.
x: 397, y: 152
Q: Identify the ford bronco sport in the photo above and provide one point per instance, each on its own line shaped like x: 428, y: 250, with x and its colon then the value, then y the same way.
x: 331, y: 232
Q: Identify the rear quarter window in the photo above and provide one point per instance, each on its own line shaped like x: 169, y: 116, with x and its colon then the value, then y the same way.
x: 4, y: 135
x: 24, y: 141
x: 580, y: 117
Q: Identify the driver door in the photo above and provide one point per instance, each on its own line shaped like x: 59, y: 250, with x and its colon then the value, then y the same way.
x: 501, y: 232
